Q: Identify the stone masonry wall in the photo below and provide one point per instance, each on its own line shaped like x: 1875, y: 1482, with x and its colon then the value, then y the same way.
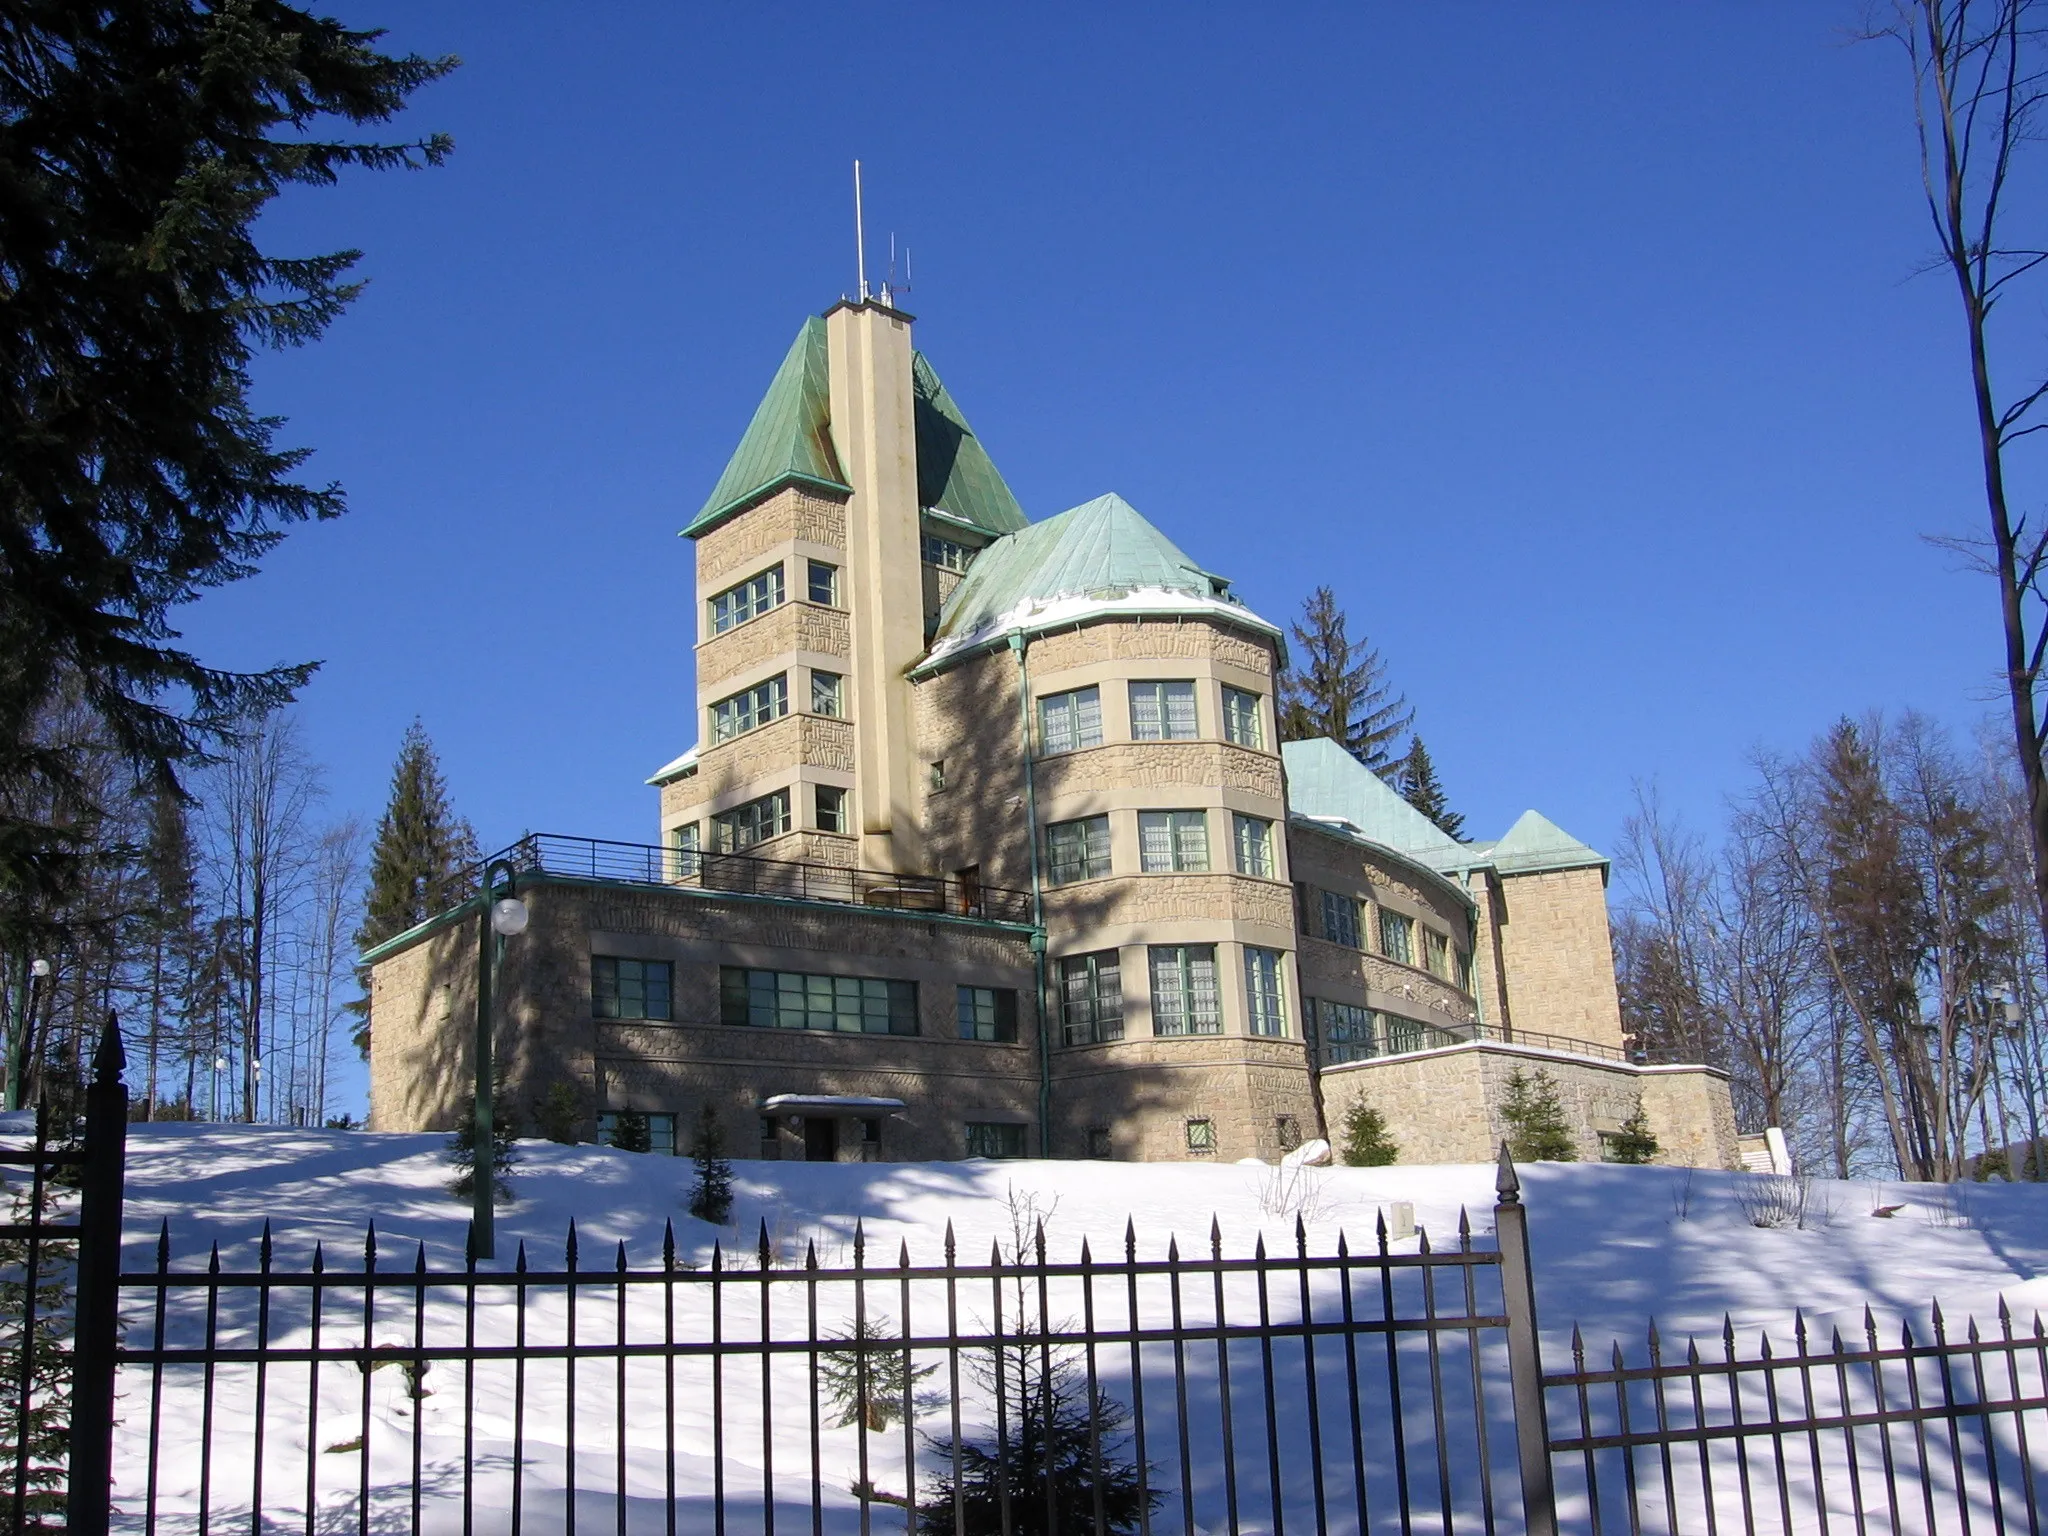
x: 735, y: 549
x: 1559, y: 956
x: 1144, y: 1091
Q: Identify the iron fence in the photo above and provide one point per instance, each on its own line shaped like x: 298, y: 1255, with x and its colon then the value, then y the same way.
x: 745, y: 874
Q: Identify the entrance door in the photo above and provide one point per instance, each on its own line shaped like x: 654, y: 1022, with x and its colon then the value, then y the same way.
x: 821, y: 1139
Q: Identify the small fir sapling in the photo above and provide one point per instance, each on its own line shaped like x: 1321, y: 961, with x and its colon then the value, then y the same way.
x: 631, y: 1132
x: 867, y: 1386
x: 44, y: 1431
x: 462, y: 1150
x: 1366, y: 1142
x: 711, y: 1199
x: 559, y: 1114
x: 1536, y: 1124
x: 1634, y: 1142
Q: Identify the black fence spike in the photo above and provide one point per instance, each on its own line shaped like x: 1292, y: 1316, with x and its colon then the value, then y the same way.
x: 1422, y: 1240
x: 1507, y: 1184
x: 1940, y: 1331
x: 319, y: 1251
x: 1464, y: 1230
x: 263, y: 1247
x: 520, y: 1264
x: 717, y: 1257
x: 1038, y: 1241
x: 949, y: 1242
x: 419, y: 1261
x: 1173, y: 1253
x: 1343, y: 1245
x: 213, y: 1259
x: 109, y: 1059
x: 1616, y: 1352
x: 1130, y: 1240
x: 903, y: 1254
x: 860, y: 1243
x: 995, y: 1254
x: 764, y: 1249
x: 569, y: 1247
x: 1971, y: 1331
x: 163, y: 1248
x: 621, y: 1264
x: 668, y: 1244
x: 370, y: 1245
x: 810, y: 1253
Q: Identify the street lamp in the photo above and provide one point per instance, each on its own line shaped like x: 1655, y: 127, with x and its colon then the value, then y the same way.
x: 503, y: 917
x: 220, y: 1065
x: 24, y: 1014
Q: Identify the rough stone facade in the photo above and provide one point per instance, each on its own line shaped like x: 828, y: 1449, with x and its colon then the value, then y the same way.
x: 1558, y: 954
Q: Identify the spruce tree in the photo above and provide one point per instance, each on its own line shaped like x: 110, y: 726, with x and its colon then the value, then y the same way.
x: 171, y: 939
x: 559, y: 1113
x: 1417, y: 782
x: 711, y: 1199
x: 1634, y: 1142
x: 1337, y: 687
x: 631, y: 1132
x: 462, y: 1149
x: 1536, y: 1124
x: 45, y: 1428
x: 423, y: 861
x: 1366, y: 1143
x: 140, y: 145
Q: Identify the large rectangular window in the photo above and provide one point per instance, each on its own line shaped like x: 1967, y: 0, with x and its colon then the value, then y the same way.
x: 755, y: 822
x: 830, y: 804
x: 1347, y: 1033
x: 1077, y: 850
x: 1340, y: 920
x: 1436, y: 953
x: 1163, y: 711
x: 1185, y: 1000
x: 749, y: 708
x: 824, y: 583
x: 1397, y: 937
x: 1254, y: 839
x: 1243, y: 723
x: 828, y: 694
x: 994, y: 1140
x: 1091, y: 998
x: 988, y: 1013
x: 1173, y: 842
x: 685, y: 841
x: 748, y: 600
x: 948, y: 554
x: 854, y: 1005
x: 1069, y: 721
x: 1398, y: 1034
x: 630, y: 989
x: 1264, y: 992
x: 661, y: 1129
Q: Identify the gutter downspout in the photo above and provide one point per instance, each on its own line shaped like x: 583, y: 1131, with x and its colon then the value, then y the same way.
x: 1017, y: 648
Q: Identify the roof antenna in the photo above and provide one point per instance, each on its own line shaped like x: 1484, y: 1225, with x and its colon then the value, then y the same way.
x: 860, y: 241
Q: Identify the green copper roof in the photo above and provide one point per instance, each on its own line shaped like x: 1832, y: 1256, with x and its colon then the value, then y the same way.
x: 1098, y: 557
x: 788, y: 441
x: 1535, y: 842
x: 954, y: 472
x: 1323, y: 780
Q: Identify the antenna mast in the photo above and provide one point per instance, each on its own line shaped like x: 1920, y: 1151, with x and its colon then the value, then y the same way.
x: 860, y: 241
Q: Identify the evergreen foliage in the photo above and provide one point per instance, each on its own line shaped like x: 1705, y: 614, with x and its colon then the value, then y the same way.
x: 46, y: 1427
x: 1366, y: 1143
x: 140, y: 145
x: 711, y: 1199
x: 631, y: 1132
x: 1633, y: 1143
x: 558, y: 1114
x: 462, y: 1149
x: 867, y: 1386
x: 1418, y: 784
x: 1337, y: 687
x: 1047, y: 1438
x: 1534, y: 1112
x: 423, y: 860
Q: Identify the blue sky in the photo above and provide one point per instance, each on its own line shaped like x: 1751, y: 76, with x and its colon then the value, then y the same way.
x: 1579, y: 348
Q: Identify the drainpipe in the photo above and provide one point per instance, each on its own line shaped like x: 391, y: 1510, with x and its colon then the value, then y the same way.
x: 1037, y: 894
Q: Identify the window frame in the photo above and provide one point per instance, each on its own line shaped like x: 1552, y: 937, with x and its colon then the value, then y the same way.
x: 1350, y: 931
x: 1269, y: 868
x: 1104, y: 1023
x: 831, y: 583
x: 1239, y: 706
x: 1001, y: 1021
x: 839, y: 815
x: 1360, y: 1025
x: 1391, y: 923
x: 1164, y: 708
x: 946, y: 554
x: 1199, y: 1132
x: 662, y: 1124
x: 1004, y: 1133
x: 828, y: 688
x: 686, y: 843
x: 1069, y: 701
x: 725, y: 823
x: 1184, y: 958
x: 745, y: 1002
x: 1265, y: 992
x: 1086, y: 868
x: 755, y: 605
x: 602, y: 965
x: 1181, y: 828
x: 749, y: 709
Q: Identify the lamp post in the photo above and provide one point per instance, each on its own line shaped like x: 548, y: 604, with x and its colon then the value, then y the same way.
x: 24, y: 1015
x: 500, y: 918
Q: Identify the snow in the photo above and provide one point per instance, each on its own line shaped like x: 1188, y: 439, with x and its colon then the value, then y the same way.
x: 1611, y: 1247
x: 1040, y: 613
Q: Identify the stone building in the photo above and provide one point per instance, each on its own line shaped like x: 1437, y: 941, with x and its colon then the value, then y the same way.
x: 989, y: 846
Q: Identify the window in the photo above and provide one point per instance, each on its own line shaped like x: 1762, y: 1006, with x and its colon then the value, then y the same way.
x: 1184, y: 995
x: 1201, y: 1136
x: 824, y: 583
x: 1077, y: 850
x: 1091, y: 998
x: 986, y: 1140
x: 871, y: 1133
x: 1162, y: 711
x: 1340, y: 920
x: 1287, y: 1131
x: 857, y: 1005
x: 749, y: 600
x: 750, y: 707
x: 1464, y: 963
x: 1069, y: 721
x: 1254, y: 839
x: 938, y: 773
x: 1100, y: 1147
x: 1347, y: 1032
x: 828, y: 694
x: 685, y: 841
x: 1172, y: 842
x: 661, y: 1131
x: 988, y: 1013
x: 831, y: 807
x: 1398, y: 1034
x: 755, y: 822
x: 946, y: 554
x: 1264, y: 998
x: 1397, y: 937
x: 629, y: 989
x: 1436, y: 953
x: 771, y: 1139
x: 1242, y: 721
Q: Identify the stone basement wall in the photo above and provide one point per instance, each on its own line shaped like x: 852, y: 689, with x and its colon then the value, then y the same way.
x: 1445, y: 1106
x: 1558, y: 953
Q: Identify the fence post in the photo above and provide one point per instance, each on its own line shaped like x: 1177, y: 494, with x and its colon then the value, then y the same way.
x: 89, y: 1497
x: 1525, y: 1357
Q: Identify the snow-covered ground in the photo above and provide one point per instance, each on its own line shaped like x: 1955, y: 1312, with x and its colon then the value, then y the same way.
x: 1612, y: 1247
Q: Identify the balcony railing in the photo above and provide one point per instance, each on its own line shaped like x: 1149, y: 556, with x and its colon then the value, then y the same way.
x: 1394, y: 1036
x: 744, y: 874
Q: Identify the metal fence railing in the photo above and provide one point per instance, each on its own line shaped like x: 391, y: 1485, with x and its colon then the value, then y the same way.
x: 1393, y: 1035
